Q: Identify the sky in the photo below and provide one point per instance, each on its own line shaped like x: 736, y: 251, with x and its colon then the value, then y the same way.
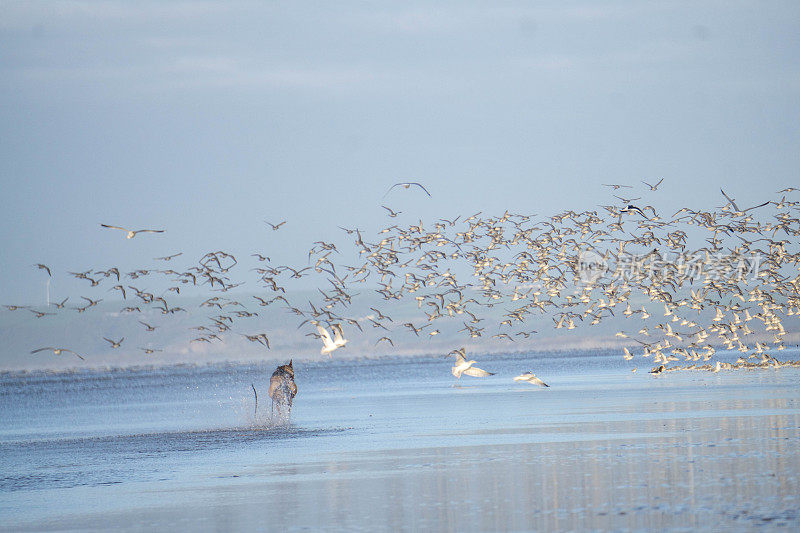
x: 207, y: 118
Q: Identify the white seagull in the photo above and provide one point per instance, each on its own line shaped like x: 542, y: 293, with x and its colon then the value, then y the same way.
x: 531, y: 378
x: 58, y: 351
x: 132, y: 233
x: 406, y: 185
x: 465, y: 367
x: 330, y: 344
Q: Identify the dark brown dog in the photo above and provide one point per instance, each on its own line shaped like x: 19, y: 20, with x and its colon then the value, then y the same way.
x: 282, y: 389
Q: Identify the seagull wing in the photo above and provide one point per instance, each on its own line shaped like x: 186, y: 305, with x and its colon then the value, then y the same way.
x: 421, y: 187
x: 114, y: 227
x: 42, y: 349
x: 406, y: 185
x: 390, y: 189
x: 730, y: 200
x: 338, y: 336
x: 76, y: 353
x: 746, y: 210
x: 477, y: 372
x: 462, y: 352
x: 326, y: 337
x: 460, y: 367
x: 536, y: 381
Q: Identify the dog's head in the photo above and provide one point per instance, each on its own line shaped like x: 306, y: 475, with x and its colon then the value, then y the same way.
x: 289, y: 369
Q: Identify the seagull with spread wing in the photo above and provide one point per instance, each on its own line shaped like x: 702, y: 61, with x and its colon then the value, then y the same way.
x: 275, y: 227
x: 462, y: 366
x: 58, y: 351
x: 531, y: 378
x: 330, y: 344
x: 40, y: 266
x: 132, y: 233
x: 653, y: 187
x: 406, y: 185
x: 732, y: 203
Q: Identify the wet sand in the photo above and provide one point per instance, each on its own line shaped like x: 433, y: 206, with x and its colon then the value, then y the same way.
x: 395, y: 445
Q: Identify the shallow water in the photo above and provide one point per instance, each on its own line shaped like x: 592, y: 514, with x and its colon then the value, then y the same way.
x: 400, y: 444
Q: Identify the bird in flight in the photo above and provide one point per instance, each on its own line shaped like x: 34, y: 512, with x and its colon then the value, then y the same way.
x: 275, y: 227
x: 57, y: 351
x: 167, y: 257
x: 736, y: 207
x: 406, y: 185
x: 653, y: 187
x: 261, y: 338
x: 531, y: 378
x: 330, y: 344
x: 627, y: 200
x: 149, y: 351
x: 115, y: 344
x: 387, y: 339
x: 44, y: 267
x: 132, y: 233
x: 462, y: 366
x: 391, y: 213
x: 615, y: 186
x: 633, y: 209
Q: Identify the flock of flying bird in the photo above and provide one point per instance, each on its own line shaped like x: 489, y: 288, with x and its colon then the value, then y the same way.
x: 724, y: 277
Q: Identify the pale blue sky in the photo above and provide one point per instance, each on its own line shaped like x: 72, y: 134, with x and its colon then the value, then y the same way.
x: 205, y: 118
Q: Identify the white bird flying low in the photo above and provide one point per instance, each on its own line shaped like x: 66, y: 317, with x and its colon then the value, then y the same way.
x: 465, y: 367
x: 531, y: 378
x: 330, y: 344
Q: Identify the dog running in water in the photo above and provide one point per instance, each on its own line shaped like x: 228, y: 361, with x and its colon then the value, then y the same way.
x: 282, y: 390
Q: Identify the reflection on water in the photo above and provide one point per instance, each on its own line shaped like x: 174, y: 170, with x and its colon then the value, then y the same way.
x: 645, y: 474
x: 398, y: 447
